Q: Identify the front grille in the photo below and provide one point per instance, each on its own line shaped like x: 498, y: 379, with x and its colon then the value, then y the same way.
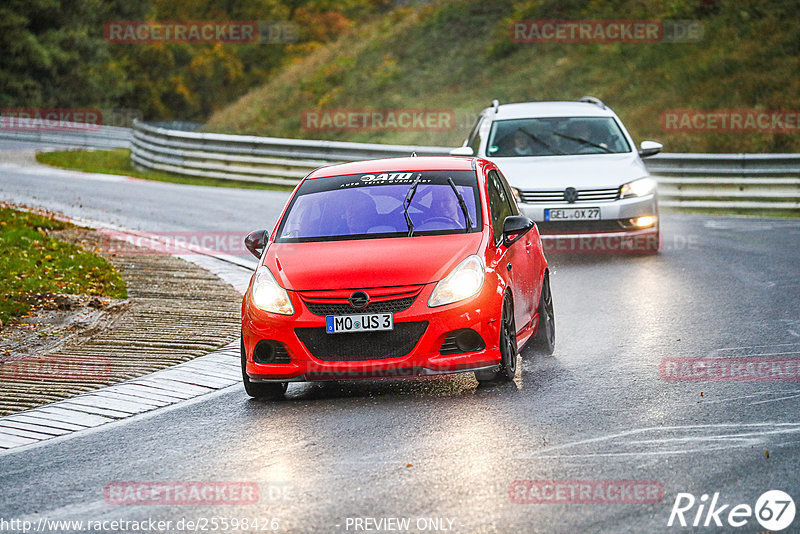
x: 556, y: 196
x: 362, y: 346
x: 386, y: 306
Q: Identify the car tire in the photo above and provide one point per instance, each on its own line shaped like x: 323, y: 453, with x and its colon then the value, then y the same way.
x: 545, y: 340
x: 507, y: 369
x: 261, y: 390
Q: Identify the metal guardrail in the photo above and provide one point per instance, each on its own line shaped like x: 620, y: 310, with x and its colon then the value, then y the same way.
x: 249, y: 158
x: 744, y: 181
x: 741, y: 181
x: 74, y: 135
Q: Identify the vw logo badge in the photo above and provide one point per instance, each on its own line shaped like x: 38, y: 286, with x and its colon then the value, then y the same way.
x: 570, y: 195
x: 359, y: 300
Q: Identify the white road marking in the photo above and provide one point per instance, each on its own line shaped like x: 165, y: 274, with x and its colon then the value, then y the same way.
x: 776, y: 400
x: 726, y: 400
x: 773, y: 345
x: 695, y: 439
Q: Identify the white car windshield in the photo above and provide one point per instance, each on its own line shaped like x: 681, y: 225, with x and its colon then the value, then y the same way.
x: 555, y: 136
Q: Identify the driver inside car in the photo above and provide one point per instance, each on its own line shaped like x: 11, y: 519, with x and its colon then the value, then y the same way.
x: 521, y: 144
x: 444, y: 211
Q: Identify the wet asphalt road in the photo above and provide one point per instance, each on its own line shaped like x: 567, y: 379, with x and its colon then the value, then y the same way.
x: 444, y: 449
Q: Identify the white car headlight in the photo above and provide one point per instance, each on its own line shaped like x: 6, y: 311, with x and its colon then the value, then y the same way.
x: 463, y: 282
x: 638, y: 188
x: 268, y: 295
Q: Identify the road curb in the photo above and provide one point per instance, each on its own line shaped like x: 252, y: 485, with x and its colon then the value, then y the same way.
x: 177, y: 384
x: 153, y: 391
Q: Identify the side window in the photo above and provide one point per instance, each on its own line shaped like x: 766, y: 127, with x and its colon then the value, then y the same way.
x: 499, y: 203
x: 509, y: 194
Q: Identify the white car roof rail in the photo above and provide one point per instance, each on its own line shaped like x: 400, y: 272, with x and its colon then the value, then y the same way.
x: 593, y: 100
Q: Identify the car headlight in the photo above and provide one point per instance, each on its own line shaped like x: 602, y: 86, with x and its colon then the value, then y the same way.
x: 463, y: 282
x: 268, y: 295
x: 638, y: 188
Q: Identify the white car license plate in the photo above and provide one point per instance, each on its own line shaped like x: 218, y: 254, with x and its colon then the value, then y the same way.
x: 367, y: 322
x: 572, y: 214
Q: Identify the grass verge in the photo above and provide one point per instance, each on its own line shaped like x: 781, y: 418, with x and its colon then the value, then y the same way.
x: 34, y: 266
x: 118, y: 161
x: 460, y: 54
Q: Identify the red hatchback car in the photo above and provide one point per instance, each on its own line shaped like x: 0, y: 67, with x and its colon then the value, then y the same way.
x: 391, y: 268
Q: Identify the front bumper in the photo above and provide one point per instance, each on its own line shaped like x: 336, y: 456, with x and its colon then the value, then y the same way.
x: 615, y: 232
x: 479, y: 313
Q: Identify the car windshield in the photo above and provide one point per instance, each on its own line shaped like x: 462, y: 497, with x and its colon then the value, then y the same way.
x: 555, y: 136
x: 372, y: 206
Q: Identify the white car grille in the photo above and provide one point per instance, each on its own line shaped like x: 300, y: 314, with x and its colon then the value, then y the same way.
x: 557, y: 195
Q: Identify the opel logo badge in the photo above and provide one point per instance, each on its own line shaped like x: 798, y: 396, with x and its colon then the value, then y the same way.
x: 570, y: 195
x: 359, y: 300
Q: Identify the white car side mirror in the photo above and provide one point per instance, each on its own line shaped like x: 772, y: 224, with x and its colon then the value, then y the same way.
x: 462, y: 151
x: 650, y: 148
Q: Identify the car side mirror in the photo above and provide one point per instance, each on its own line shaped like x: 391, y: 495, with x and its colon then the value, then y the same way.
x: 514, y: 228
x: 256, y: 241
x: 650, y: 148
x: 462, y: 151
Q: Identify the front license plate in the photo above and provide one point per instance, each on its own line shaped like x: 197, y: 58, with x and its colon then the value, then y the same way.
x: 368, y: 322
x: 572, y: 214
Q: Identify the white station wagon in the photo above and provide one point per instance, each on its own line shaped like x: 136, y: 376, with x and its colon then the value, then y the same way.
x: 575, y: 171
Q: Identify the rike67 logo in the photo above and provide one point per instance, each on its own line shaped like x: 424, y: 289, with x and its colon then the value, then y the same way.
x: 774, y: 510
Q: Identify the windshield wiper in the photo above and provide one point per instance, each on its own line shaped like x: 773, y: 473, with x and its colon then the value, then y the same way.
x: 584, y: 141
x: 461, y: 203
x: 542, y: 142
x: 407, y: 202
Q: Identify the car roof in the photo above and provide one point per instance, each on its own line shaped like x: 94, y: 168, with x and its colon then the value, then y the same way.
x: 427, y: 163
x: 548, y: 109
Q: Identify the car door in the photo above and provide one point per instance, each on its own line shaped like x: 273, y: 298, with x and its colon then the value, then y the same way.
x: 526, y: 275
x: 507, y: 260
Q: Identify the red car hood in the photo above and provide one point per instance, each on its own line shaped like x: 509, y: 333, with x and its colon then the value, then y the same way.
x: 368, y: 263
